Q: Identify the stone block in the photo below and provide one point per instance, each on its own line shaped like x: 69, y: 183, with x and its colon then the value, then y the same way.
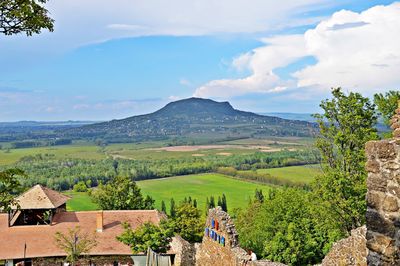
x: 370, y: 149
x: 391, y: 165
x: 394, y: 189
x: 396, y: 133
x: 378, y: 243
x: 376, y: 181
x: 374, y: 199
x: 385, y: 150
x: 372, y: 166
x: 377, y: 223
x: 390, y: 204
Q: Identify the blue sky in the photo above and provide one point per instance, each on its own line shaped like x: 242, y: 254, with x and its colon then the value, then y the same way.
x: 112, y: 60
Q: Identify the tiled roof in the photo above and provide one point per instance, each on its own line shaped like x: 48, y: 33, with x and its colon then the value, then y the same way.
x: 40, y: 241
x: 39, y: 197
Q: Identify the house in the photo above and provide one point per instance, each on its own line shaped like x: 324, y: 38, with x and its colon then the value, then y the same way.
x: 29, y: 232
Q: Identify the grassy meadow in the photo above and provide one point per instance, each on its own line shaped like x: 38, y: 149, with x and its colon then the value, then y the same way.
x: 304, y: 173
x: 198, y: 187
x: 154, y: 150
x: 80, y: 201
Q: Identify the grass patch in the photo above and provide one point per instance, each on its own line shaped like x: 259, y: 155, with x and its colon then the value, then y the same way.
x: 59, y: 152
x: 80, y: 201
x: 200, y: 187
x: 304, y: 174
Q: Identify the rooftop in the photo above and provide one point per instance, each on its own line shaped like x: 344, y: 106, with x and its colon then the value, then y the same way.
x: 40, y: 240
x: 39, y: 197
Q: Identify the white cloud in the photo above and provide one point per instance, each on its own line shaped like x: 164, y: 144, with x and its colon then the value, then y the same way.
x: 355, y: 50
x: 80, y: 22
x: 358, y: 51
x: 185, y: 82
x: 279, y: 52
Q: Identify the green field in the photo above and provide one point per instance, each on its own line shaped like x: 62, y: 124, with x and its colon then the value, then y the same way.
x: 304, y: 174
x: 80, y: 201
x: 197, y: 186
x: 86, y: 151
x: 152, y: 150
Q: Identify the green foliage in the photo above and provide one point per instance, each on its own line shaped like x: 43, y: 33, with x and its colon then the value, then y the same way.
x: 9, y: 188
x: 187, y: 222
x: 387, y: 104
x: 80, y: 187
x: 147, y: 236
x: 288, y: 228
x: 172, y: 210
x: 347, y: 124
x: 61, y: 171
x: 259, y: 196
x: 121, y: 193
x: 28, y: 16
x: 75, y: 243
x: 163, y: 207
x: 148, y: 203
x: 224, y: 204
x: 212, y: 202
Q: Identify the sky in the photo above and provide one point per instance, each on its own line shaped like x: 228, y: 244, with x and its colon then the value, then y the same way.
x: 113, y: 59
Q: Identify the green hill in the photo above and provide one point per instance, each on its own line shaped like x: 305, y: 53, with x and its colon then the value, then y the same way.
x: 193, y: 119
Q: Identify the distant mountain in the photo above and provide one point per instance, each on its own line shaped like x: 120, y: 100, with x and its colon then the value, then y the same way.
x: 51, y: 124
x: 293, y: 116
x: 192, y: 118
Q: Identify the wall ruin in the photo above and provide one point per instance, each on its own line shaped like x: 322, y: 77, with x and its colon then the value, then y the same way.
x: 383, y: 198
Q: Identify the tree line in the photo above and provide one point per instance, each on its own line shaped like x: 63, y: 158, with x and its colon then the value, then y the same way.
x: 63, y: 174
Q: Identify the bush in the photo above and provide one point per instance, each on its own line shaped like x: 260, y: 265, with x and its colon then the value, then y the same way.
x: 80, y: 187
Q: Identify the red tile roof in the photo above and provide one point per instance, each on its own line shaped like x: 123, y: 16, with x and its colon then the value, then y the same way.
x: 40, y: 241
x: 39, y: 197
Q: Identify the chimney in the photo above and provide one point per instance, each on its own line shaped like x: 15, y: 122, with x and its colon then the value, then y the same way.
x: 99, y: 222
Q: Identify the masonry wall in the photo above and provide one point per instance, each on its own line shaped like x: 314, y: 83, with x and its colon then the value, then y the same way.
x: 383, y: 199
x: 210, y: 252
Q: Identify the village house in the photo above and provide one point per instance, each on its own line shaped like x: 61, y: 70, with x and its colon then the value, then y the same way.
x: 28, y: 232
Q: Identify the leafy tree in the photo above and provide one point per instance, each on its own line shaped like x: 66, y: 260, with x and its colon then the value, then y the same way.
x: 219, y: 202
x: 115, y: 166
x: 163, y: 207
x: 80, y: 187
x: 259, y: 196
x: 28, y: 16
x: 121, y: 193
x: 212, y: 202
x: 207, y: 206
x: 195, y: 203
x: 172, y: 210
x: 187, y: 223
x: 387, y: 104
x: 288, y: 228
x: 347, y: 123
x: 147, y: 236
x: 224, y: 205
x: 9, y: 188
x: 75, y: 243
x: 148, y: 203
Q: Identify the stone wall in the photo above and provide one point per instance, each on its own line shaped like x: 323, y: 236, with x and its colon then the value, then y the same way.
x: 86, y: 261
x: 383, y: 198
x: 351, y: 251
x: 212, y: 252
x: 185, y: 252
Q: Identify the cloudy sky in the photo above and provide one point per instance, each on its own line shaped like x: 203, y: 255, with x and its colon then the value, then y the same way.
x: 112, y: 59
